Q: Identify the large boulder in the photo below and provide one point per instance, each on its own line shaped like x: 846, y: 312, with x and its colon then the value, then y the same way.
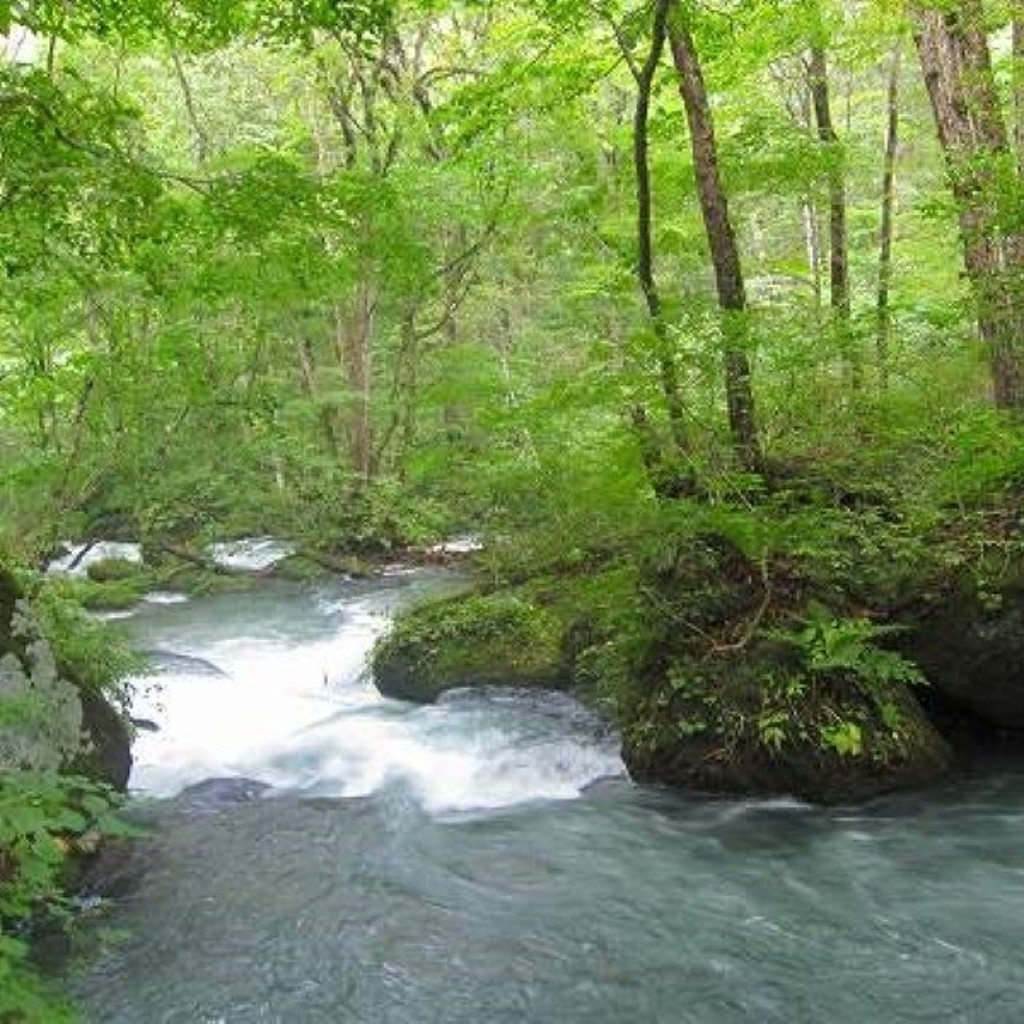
x: 469, y: 641
x: 49, y: 722
x: 757, y: 721
x: 739, y: 687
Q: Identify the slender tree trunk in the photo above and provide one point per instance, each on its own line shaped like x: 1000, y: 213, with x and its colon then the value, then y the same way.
x: 839, y: 263
x: 883, y: 321
x: 812, y: 244
x: 965, y: 102
x: 721, y: 236
x: 1017, y: 6
x: 201, y: 140
x: 645, y: 246
x: 328, y: 414
x: 674, y: 477
x: 839, y: 272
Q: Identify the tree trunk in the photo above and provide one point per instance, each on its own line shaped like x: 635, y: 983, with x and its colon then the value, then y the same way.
x: 812, y: 245
x: 839, y: 273
x: 883, y: 323
x: 1017, y: 54
x: 961, y: 87
x: 307, y: 379
x: 353, y: 334
x: 645, y: 246
x: 725, y: 255
x: 200, y: 138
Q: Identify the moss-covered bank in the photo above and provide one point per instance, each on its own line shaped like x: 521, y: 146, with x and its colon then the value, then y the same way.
x: 792, y: 646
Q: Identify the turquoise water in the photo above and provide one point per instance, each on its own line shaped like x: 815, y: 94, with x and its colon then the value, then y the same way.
x: 486, y: 860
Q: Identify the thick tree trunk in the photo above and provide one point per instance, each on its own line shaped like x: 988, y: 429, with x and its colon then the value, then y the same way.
x: 965, y: 102
x: 883, y: 323
x: 725, y: 255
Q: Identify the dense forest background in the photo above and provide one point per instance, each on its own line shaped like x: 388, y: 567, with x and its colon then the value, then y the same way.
x: 354, y: 272
x: 598, y: 281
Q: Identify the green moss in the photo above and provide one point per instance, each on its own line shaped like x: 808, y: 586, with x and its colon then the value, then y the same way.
x: 469, y: 641
x: 109, y: 570
x: 118, y: 595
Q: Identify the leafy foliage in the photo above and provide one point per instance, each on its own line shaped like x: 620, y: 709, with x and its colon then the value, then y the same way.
x: 43, y: 819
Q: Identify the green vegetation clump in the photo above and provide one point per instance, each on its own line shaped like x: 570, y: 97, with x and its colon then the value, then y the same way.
x: 109, y: 570
x: 46, y: 820
x: 469, y: 641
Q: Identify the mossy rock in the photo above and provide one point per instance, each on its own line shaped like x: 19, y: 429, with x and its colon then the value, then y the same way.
x: 754, y: 721
x: 469, y: 641
x: 64, y: 722
x: 745, y: 686
x: 300, y: 568
x: 113, y: 596
x: 109, y: 570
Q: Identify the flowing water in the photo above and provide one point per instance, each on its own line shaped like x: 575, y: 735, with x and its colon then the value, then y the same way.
x: 485, y: 860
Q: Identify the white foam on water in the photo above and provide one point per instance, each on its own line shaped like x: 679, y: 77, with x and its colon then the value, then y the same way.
x: 75, y: 563
x: 303, y: 716
x: 454, y: 758
x: 251, y: 554
x: 165, y: 597
x: 464, y: 545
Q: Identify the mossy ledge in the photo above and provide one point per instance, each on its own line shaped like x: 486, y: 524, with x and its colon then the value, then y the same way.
x: 475, y: 640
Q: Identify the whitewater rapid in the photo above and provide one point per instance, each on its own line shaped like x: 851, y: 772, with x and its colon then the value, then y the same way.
x: 273, y: 686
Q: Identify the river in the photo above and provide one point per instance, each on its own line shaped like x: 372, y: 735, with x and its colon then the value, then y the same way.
x: 486, y: 860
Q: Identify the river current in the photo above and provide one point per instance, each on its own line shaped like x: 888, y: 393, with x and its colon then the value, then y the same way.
x: 486, y: 860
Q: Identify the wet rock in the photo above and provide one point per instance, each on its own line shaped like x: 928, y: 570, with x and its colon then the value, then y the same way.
x: 971, y: 648
x: 214, y: 795
x: 106, y: 754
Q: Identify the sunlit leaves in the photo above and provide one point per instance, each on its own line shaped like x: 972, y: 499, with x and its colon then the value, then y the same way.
x: 203, y: 24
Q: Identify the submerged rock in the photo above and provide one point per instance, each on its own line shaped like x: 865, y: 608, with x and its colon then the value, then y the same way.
x: 164, y: 661
x: 469, y: 641
x: 214, y: 795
